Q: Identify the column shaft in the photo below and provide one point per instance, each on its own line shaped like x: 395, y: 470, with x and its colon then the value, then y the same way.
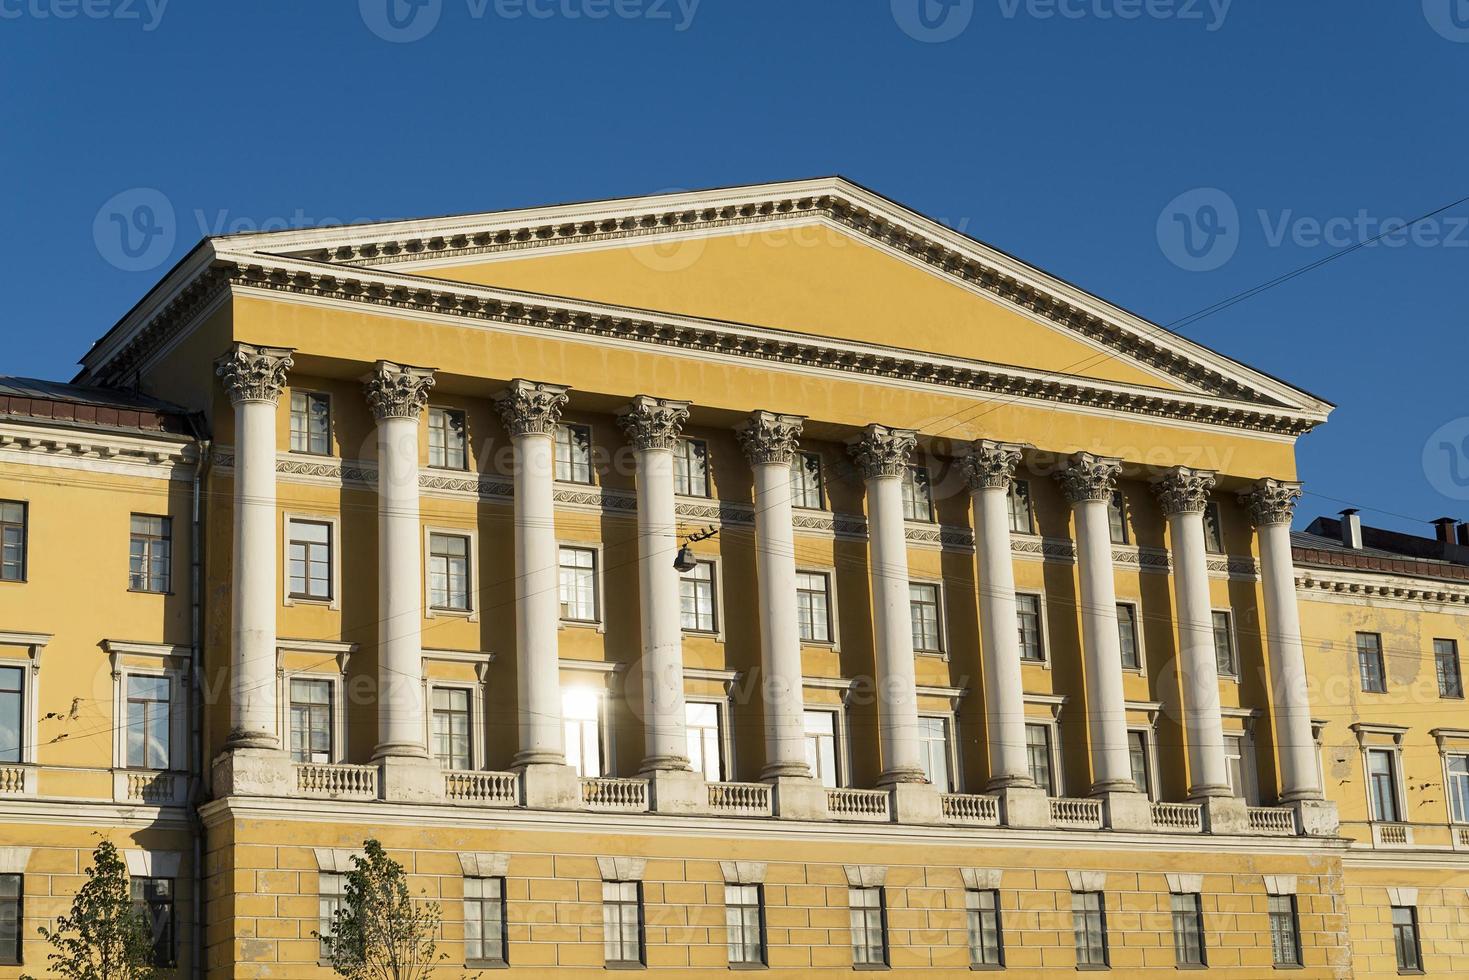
x: 1203, y: 722
x: 1004, y: 690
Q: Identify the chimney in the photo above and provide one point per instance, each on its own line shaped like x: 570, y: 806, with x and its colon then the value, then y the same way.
x: 1351, y: 528
x: 1464, y: 535
x: 1444, y: 529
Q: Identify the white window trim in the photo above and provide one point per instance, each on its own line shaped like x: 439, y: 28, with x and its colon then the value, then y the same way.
x: 1460, y: 739
x: 341, y: 654
x: 1054, y: 702
x: 468, y: 458
x: 821, y: 488
x: 951, y: 749
x: 472, y: 534
x: 718, y: 573
x: 170, y: 662
x: 726, y: 740
x: 335, y: 602
x: 1150, y: 751
x: 942, y: 652
x: 840, y: 730
x: 478, y: 716
x: 598, y: 583
x: 708, y: 493
x: 835, y: 643
x: 598, y: 676
x: 1045, y: 661
x: 1030, y: 506
x: 1249, y: 769
x: 591, y: 456
x: 1233, y: 642
x: 331, y: 421
x: 29, y: 656
x: 1141, y: 669
x: 1396, y: 732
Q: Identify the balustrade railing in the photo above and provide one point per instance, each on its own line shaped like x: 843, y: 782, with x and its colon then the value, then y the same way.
x: 972, y: 809
x: 336, y: 782
x: 742, y: 799
x: 482, y: 788
x: 612, y: 793
x: 1273, y: 821
x: 857, y: 804
x: 151, y: 787
x: 12, y: 780
x: 1085, y: 814
x: 1183, y: 817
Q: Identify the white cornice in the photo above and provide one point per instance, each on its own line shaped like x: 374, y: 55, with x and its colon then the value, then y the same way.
x: 1351, y: 587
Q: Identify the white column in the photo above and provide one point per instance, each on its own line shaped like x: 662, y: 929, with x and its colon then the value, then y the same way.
x: 254, y: 378
x: 653, y: 425
x: 1271, y: 505
x: 1184, y: 493
x: 770, y: 441
x: 531, y: 412
x: 397, y: 394
x: 882, y: 456
x: 1089, y: 482
x: 989, y: 470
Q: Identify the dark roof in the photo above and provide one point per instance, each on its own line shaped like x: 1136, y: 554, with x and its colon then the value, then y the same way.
x: 1393, y: 552
x: 109, y: 408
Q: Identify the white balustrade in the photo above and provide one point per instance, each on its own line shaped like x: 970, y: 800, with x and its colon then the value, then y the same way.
x: 12, y: 780
x: 1084, y: 814
x: 336, y: 782
x: 858, y: 804
x: 611, y: 793
x: 1461, y: 837
x: 1272, y: 821
x: 1392, y: 835
x: 744, y: 799
x: 482, y: 788
x: 1184, y: 817
x: 972, y: 809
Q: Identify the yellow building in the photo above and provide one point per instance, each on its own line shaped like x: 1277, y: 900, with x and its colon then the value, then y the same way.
x: 755, y: 577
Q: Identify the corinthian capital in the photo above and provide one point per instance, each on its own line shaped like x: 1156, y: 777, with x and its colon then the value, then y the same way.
x: 397, y: 391
x: 1089, y: 477
x: 530, y: 407
x: 254, y: 374
x: 1183, y: 490
x: 991, y: 465
x: 881, y: 451
x: 1271, y: 502
x: 770, y: 438
x: 653, y: 423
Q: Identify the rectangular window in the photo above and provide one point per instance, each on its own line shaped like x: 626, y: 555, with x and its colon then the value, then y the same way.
x: 1405, y: 938
x: 1137, y: 756
x: 153, y: 899
x: 986, y: 943
x: 446, y: 448
x: 1458, y: 772
x: 696, y: 599
x: 705, y: 738
x: 744, y: 922
x: 1089, y: 923
x: 1213, y: 529
x: 310, y: 554
x: 581, y: 713
x: 311, y: 423
x: 622, y: 921
x: 1188, y: 930
x: 1032, y: 640
x: 577, y: 585
x: 11, y: 917
x: 330, y: 890
x: 933, y: 743
x: 448, y: 572
x: 1234, y: 762
x: 484, y: 920
x: 451, y: 726
x: 12, y: 713
x: 311, y: 720
x: 148, y: 711
x: 1127, y: 635
x: 150, y: 554
x: 821, y: 746
x: 1369, y: 663
x: 869, y: 926
x: 1446, y: 663
x: 691, y: 468
x: 806, y: 483
x: 813, y: 606
x: 923, y: 603
x: 917, y: 494
x: 13, y: 514
x: 1225, y: 659
x: 574, y: 454
x: 1022, y: 516
x: 1382, y: 785
x: 1117, y: 517
x: 1038, y: 754
x: 1285, y: 940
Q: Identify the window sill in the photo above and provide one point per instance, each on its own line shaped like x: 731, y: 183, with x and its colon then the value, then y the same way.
x: 308, y: 452
x: 310, y: 600
x: 582, y: 624
x: 986, y: 967
x: 1092, y: 967
x: 448, y: 469
x: 624, y: 965
x: 749, y: 966
x: 870, y: 966
x: 435, y: 612
x: 938, y: 654
x: 163, y: 592
x: 487, y: 964
x: 821, y: 644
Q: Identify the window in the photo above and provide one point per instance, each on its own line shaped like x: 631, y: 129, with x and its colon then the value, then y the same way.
x: 574, y: 453
x: 923, y: 602
x: 311, y: 720
x: 622, y: 921
x: 933, y: 743
x: 1032, y: 641
x: 1224, y: 655
x: 153, y: 898
x: 150, y: 554
x: 1285, y: 941
x: 484, y: 920
x: 813, y: 606
x: 1405, y: 938
x: 821, y: 746
x: 1137, y: 756
x: 1234, y: 761
x: 1127, y: 635
x: 331, y: 889
x: 917, y: 494
x: 1089, y: 922
x: 806, y: 483
x: 869, y: 926
x: 446, y: 439
x: 148, y: 711
x: 13, y: 515
x: 1022, y: 516
x: 311, y: 423
x: 1382, y: 784
x: 744, y: 921
x: 1369, y: 663
x: 578, y: 585
x: 1038, y: 754
x: 1446, y: 662
x: 448, y: 572
x: 1188, y: 930
x: 696, y: 598
x: 10, y: 918
x: 310, y: 555
x: 1117, y: 517
x: 1213, y: 529
x: 705, y: 739
x: 451, y: 727
x: 1458, y: 775
x: 581, y: 713
x: 691, y: 468
x: 986, y: 946
x: 12, y: 713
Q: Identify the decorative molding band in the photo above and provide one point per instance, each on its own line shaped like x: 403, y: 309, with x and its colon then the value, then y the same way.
x: 49, y: 447
x: 1391, y: 589
x: 1241, y: 567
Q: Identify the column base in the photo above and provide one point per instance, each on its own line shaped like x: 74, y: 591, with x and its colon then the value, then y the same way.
x: 523, y: 759
x: 1197, y: 794
x: 253, y: 772
x: 1131, y: 811
x: 1000, y: 783
x: 1225, y: 815
x: 1317, y: 818
x: 916, y: 803
x: 549, y: 786
x: 677, y: 791
x: 251, y: 740
x: 785, y: 770
x: 664, y: 763
x: 1025, y: 807
x: 798, y: 798
x: 406, y: 779
x: 895, y: 777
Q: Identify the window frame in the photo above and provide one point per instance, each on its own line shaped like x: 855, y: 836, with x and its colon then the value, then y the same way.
x: 471, y: 538
x: 1210, y: 542
x: 912, y: 499
x: 1043, y: 633
x: 1291, y: 916
x: 722, y: 734
x: 941, y: 647
x: 951, y: 745
x: 22, y: 651
x: 642, y: 937
x: 332, y: 710
x: 853, y: 911
x: 971, y: 911
x: 1078, y: 932
x: 167, y: 540
x: 1135, y: 620
x: 1233, y: 674
x: 1193, y: 919
x: 762, y: 948
x: 828, y: 573
x: 1121, y: 531
x: 342, y: 653
x: 162, y: 958
x: 25, y: 542
x: 684, y: 451
x: 1416, y: 966
x: 447, y: 411
x: 1381, y: 668
x: 309, y: 394
x: 571, y: 427
x: 796, y: 465
x: 161, y: 661
x: 1450, y: 778
x: 599, y: 622
x: 716, y: 588
x: 1452, y: 655
x: 478, y: 726
x: 1150, y: 758
x: 503, y: 959
x: 1012, y: 499
x: 1053, y: 752
x: 338, y: 880
x: 1249, y: 777
x: 838, y: 740
x: 601, y: 725
x: 20, y: 911
x: 1393, y: 755
x: 471, y: 718
x: 334, y: 551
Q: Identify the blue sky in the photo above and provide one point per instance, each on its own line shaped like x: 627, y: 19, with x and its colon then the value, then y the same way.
x: 1165, y: 154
